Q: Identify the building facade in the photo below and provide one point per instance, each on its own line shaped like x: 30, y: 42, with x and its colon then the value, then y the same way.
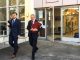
x: 24, y: 9
x: 60, y: 18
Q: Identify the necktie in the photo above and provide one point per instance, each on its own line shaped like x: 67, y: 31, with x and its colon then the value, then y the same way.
x: 33, y: 22
x: 13, y: 22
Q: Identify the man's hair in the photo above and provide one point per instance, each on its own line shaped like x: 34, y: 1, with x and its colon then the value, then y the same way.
x: 13, y: 13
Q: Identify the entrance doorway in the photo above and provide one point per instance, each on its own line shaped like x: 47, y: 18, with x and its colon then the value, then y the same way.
x: 45, y: 17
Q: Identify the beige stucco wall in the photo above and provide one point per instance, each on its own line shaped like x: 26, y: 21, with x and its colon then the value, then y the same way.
x: 51, y: 3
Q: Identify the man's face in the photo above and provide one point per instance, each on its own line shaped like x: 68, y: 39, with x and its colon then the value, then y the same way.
x: 32, y: 17
x: 14, y: 16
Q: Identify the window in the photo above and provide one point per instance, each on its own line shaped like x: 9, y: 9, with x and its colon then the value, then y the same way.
x: 40, y: 15
x: 14, y: 6
x: 70, y: 22
x: 3, y: 28
x: 22, y: 18
x: 2, y: 3
x: 22, y: 29
x: 22, y: 13
x: 2, y: 14
x: 3, y: 21
x: 21, y: 2
x: 12, y: 2
x: 49, y: 23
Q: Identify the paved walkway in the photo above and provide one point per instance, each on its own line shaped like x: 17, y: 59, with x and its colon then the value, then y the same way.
x: 47, y: 51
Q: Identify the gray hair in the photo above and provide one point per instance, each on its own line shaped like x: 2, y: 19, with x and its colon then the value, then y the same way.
x: 33, y: 15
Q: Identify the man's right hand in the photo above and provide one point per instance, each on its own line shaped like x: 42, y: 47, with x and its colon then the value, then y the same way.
x: 8, y: 24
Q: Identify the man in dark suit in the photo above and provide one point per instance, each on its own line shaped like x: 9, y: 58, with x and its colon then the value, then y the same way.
x: 15, y: 30
x: 33, y: 35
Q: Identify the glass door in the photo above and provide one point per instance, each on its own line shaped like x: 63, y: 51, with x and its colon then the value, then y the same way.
x: 40, y: 15
x: 49, y: 26
x: 45, y: 17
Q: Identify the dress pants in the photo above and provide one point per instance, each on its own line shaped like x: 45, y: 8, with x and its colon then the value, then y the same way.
x: 13, y: 41
x: 33, y: 42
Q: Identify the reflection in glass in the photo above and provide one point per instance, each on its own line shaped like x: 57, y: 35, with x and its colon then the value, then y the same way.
x: 3, y: 28
x: 22, y: 28
x: 21, y: 2
x: 12, y: 2
x: 40, y: 15
x: 49, y: 23
x: 2, y: 3
x: 22, y: 13
x: 57, y: 24
x: 70, y: 22
x: 2, y: 14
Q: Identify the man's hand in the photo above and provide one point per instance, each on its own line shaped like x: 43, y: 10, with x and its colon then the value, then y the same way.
x: 18, y: 36
x: 31, y: 29
x: 8, y: 25
x: 34, y: 29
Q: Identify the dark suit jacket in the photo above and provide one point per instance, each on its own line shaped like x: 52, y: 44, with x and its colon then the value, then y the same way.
x: 29, y: 27
x: 15, y: 29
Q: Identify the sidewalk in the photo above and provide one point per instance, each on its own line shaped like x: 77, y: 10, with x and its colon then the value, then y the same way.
x: 47, y: 51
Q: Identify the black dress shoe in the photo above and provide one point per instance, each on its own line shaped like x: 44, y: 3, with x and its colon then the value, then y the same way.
x: 13, y: 56
x: 33, y: 57
x: 36, y: 50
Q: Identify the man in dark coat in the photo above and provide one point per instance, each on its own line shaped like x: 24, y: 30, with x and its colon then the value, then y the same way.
x: 33, y: 34
x: 15, y: 31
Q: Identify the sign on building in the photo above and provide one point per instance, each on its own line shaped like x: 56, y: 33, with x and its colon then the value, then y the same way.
x: 51, y: 1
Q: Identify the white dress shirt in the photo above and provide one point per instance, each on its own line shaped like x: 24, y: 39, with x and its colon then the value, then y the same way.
x: 33, y: 21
